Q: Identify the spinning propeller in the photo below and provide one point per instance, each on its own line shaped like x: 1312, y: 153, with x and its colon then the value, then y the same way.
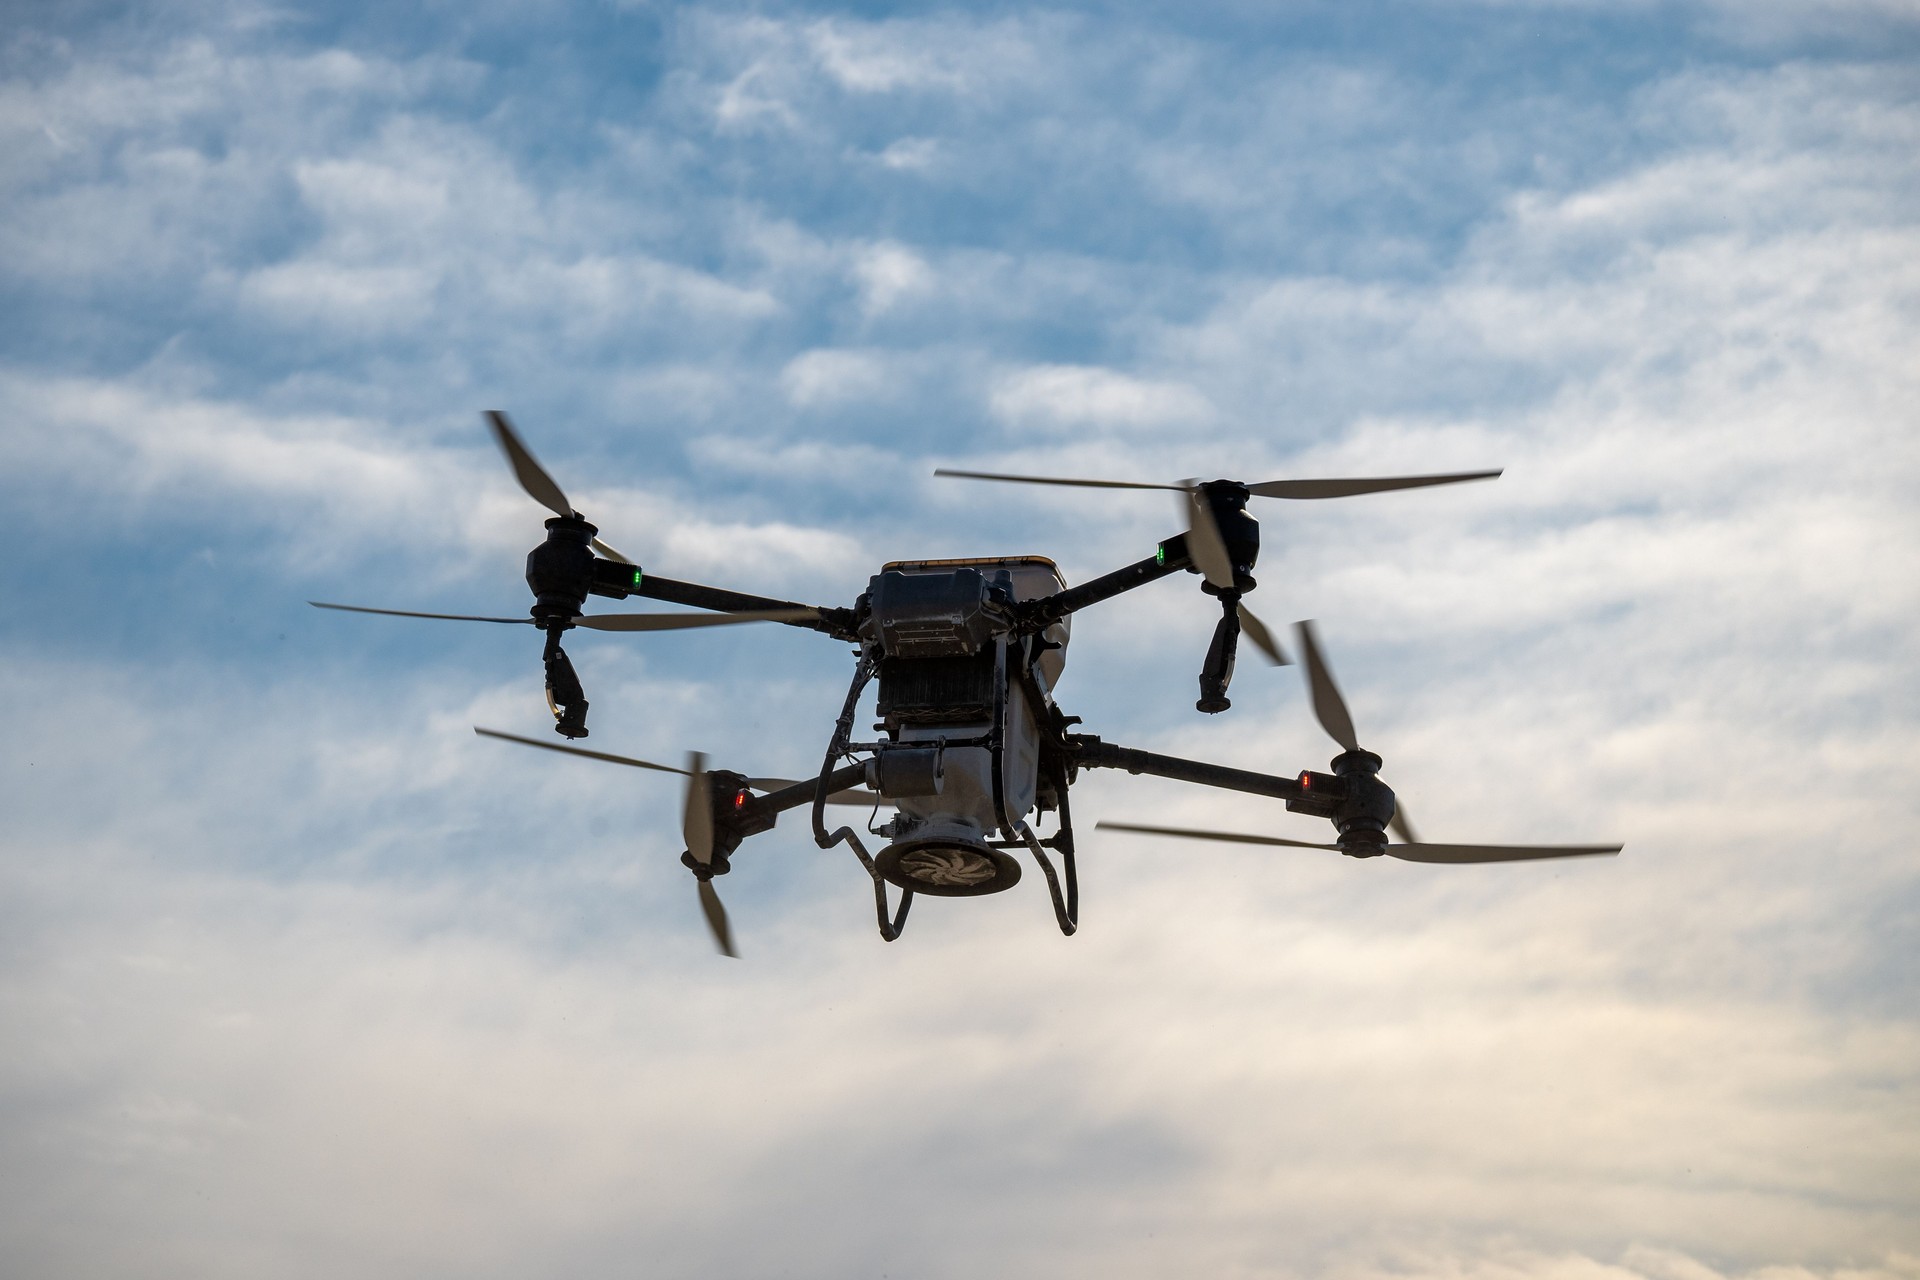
x: 1208, y: 550
x: 605, y: 621
x: 696, y: 827
x: 543, y: 489
x: 1409, y: 852
x: 696, y: 820
x: 561, y: 573
x: 1223, y: 542
x: 854, y: 796
x: 533, y: 477
x: 1264, y: 489
x: 1358, y: 813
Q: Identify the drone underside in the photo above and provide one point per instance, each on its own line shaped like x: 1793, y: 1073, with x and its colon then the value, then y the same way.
x: 971, y: 747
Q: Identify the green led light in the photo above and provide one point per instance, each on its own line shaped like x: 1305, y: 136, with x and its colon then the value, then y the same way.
x: 636, y: 577
x: 1159, y: 556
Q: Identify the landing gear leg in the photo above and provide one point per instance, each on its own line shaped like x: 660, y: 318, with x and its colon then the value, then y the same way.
x: 565, y: 697
x: 1217, y: 674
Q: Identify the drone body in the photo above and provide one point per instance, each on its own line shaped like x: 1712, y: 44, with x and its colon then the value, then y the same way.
x: 972, y: 747
x: 963, y: 704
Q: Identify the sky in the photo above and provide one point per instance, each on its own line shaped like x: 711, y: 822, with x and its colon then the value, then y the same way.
x: 298, y: 977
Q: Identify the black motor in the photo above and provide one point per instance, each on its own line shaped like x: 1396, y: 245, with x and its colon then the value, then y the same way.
x: 560, y: 574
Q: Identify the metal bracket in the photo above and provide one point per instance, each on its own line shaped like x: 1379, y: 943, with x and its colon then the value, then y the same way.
x: 842, y: 735
x: 1067, y: 912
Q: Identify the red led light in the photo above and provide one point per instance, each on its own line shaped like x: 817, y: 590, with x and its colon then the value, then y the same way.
x: 1306, y: 780
x: 739, y: 799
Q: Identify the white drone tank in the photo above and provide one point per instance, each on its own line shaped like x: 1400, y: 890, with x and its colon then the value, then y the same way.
x: 940, y: 846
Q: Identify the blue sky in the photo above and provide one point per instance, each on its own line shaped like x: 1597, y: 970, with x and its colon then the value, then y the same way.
x: 299, y: 977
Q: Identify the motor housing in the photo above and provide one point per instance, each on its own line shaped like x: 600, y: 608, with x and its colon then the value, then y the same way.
x: 560, y: 570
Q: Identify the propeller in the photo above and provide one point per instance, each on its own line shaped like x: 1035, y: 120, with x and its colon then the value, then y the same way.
x: 606, y: 621
x: 1256, y: 631
x: 696, y: 817
x: 696, y: 825
x: 1411, y: 851
x: 1264, y: 489
x: 1208, y: 551
x: 1330, y: 708
x: 534, y: 478
x: 1205, y: 545
x: 849, y: 797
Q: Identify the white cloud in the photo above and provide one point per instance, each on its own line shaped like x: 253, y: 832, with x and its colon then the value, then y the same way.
x: 1068, y: 396
x: 889, y: 274
x: 367, y: 301
x: 336, y: 490
x: 866, y: 58
x: 912, y: 155
x: 826, y: 378
x: 744, y: 104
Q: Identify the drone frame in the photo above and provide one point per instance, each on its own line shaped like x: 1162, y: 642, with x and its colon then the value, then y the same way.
x: 1221, y: 545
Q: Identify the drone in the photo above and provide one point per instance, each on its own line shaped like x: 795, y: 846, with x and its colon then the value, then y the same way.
x: 972, y: 746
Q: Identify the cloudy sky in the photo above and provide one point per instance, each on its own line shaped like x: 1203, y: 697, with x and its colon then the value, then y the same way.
x: 300, y: 978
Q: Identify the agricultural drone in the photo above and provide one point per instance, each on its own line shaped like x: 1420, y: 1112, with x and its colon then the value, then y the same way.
x: 966, y: 655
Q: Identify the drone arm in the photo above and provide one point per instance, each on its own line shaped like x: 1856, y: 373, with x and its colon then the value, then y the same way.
x: 1171, y: 557
x: 612, y: 578
x: 758, y: 809
x: 1088, y: 752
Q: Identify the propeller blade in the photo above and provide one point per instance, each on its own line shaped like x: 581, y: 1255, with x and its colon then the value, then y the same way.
x: 1262, y: 638
x: 1401, y: 824
x: 1230, y: 837
x: 1354, y: 488
x: 1459, y: 853
x: 833, y: 797
x: 1266, y: 489
x: 526, y: 468
x: 682, y: 621
x: 609, y: 552
x: 533, y: 477
x: 696, y: 824
x: 696, y: 819
x: 1328, y: 705
x: 1437, y: 853
x: 1204, y: 543
x: 758, y: 784
x: 717, y: 919
x: 1085, y: 484
x: 406, y: 613
x: 605, y: 621
x: 608, y: 756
